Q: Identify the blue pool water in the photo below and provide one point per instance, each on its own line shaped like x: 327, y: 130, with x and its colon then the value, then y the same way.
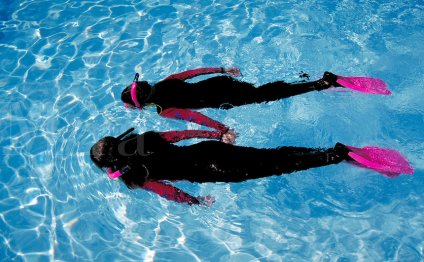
x: 64, y: 64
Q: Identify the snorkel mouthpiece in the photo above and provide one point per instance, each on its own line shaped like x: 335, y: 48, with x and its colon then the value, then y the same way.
x: 113, y: 175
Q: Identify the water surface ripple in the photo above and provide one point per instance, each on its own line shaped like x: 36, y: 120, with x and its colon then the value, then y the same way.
x: 64, y: 64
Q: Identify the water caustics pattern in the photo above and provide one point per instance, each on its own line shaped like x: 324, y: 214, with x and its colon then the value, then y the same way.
x: 64, y: 64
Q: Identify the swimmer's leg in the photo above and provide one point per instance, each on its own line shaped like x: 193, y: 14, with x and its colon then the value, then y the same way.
x: 280, y: 89
x: 243, y: 163
x: 292, y: 159
x: 225, y: 92
x: 241, y: 93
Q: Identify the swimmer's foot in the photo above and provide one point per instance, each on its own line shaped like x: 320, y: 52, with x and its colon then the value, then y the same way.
x: 342, y: 151
x: 328, y: 80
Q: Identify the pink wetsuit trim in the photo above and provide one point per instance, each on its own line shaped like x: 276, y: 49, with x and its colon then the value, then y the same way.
x: 196, y: 117
x: 175, y: 136
x: 170, y: 192
x: 195, y: 72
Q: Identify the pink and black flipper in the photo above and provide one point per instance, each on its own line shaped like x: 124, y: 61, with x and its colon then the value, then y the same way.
x: 386, y: 161
x: 362, y: 84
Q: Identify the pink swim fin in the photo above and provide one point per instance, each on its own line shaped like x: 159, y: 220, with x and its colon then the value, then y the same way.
x: 386, y: 161
x: 364, y: 84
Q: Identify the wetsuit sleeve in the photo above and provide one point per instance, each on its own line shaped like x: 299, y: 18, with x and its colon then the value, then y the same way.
x: 175, y: 136
x: 196, y: 117
x: 170, y: 192
x: 196, y: 72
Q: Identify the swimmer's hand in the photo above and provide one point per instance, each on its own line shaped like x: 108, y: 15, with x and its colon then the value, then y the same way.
x: 233, y: 71
x: 229, y: 137
x: 206, y: 201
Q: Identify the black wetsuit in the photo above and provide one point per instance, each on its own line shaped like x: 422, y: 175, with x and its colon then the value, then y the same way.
x: 213, y: 161
x: 221, y: 92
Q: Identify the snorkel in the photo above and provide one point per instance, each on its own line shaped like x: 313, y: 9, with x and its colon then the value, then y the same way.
x: 115, y: 174
x: 134, y: 93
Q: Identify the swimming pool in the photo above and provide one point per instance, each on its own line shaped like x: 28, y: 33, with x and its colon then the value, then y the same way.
x: 64, y: 64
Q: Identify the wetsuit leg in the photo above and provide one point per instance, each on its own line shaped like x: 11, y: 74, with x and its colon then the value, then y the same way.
x: 226, y: 92
x: 284, y: 160
x: 279, y: 90
x: 218, y: 162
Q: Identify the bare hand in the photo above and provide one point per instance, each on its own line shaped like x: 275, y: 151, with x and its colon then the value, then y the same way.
x: 233, y: 71
x: 229, y: 137
x: 206, y: 201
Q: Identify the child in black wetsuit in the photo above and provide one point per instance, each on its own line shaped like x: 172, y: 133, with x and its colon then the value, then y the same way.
x: 150, y: 159
x: 175, y: 98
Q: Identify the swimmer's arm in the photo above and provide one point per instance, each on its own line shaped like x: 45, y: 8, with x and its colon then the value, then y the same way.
x: 171, y: 193
x: 196, y: 117
x: 204, y: 71
x: 175, y: 136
